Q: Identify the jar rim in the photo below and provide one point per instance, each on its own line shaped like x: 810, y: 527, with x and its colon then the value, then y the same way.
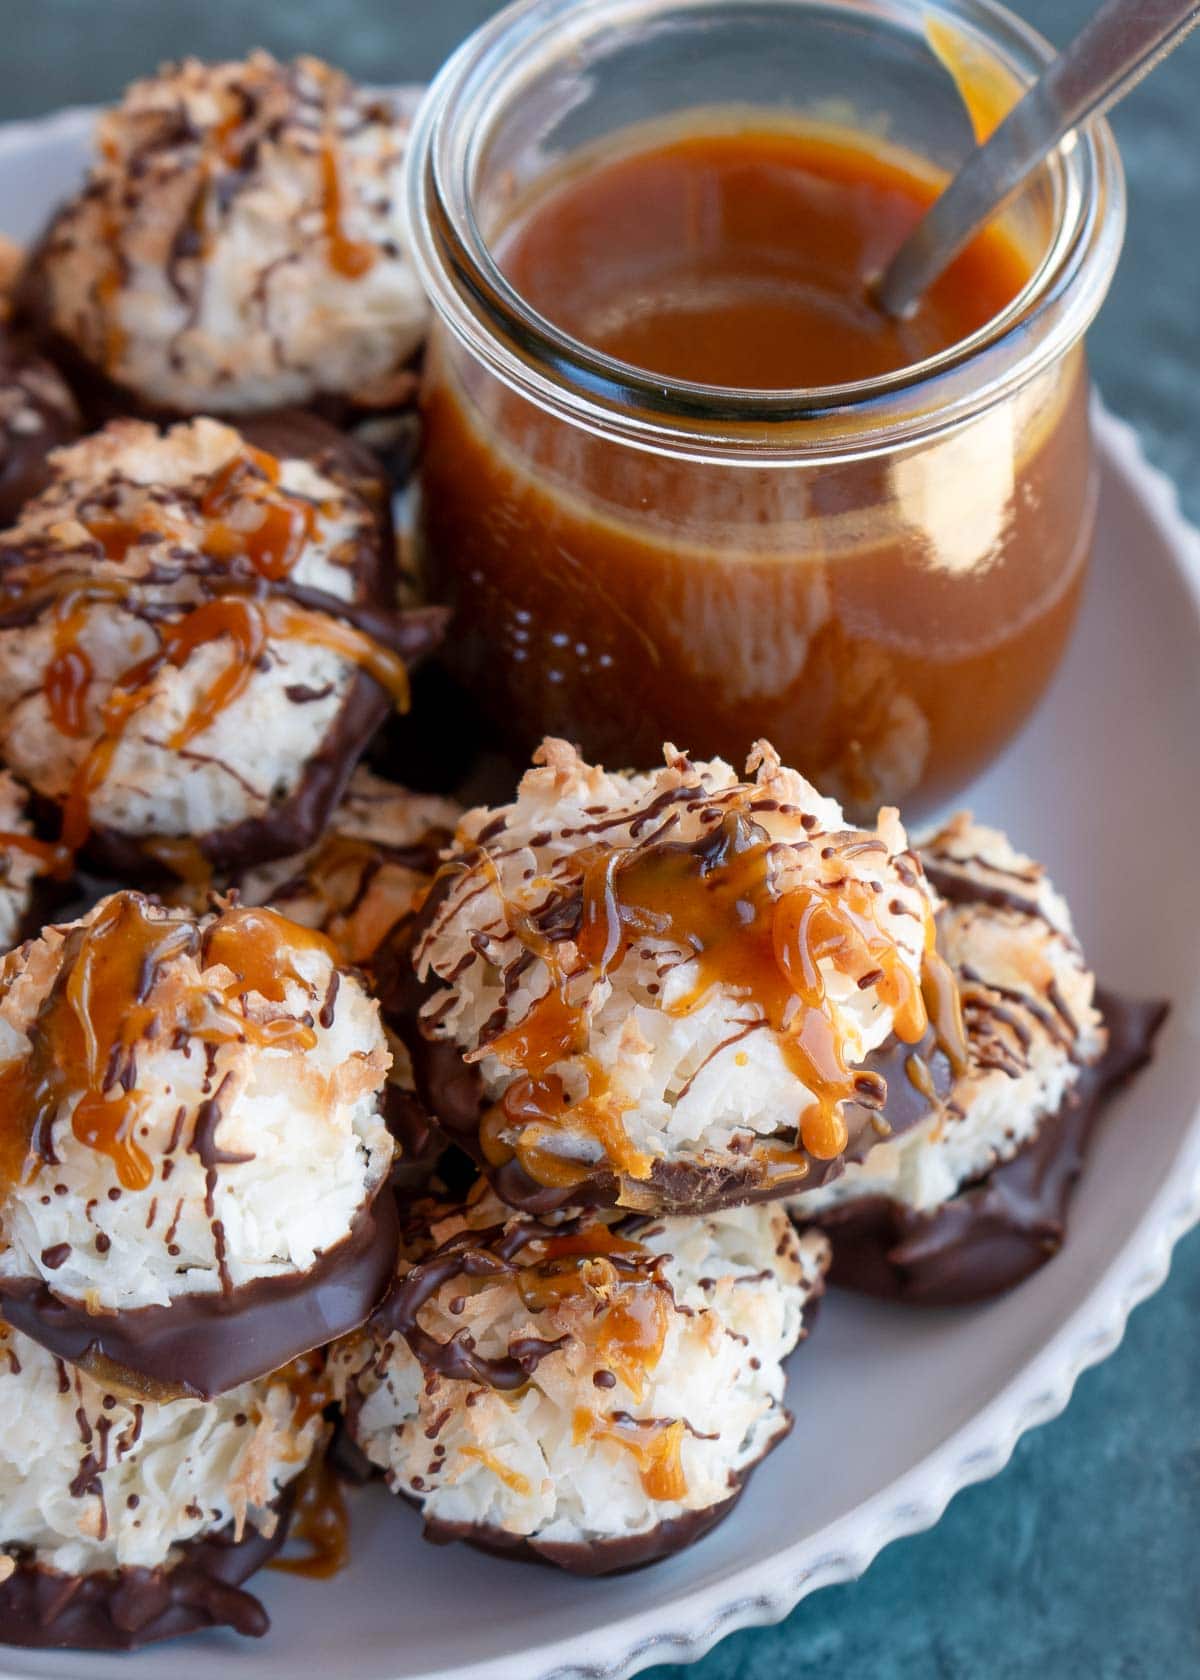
x: 589, y: 388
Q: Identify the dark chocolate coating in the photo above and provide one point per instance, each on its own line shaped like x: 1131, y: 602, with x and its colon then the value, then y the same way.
x: 1005, y: 1225
x: 202, y: 1345
x: 617, y: 1555
x: 1001, y: 891
x: 23, y: 467
x: 419, y: 1143
x: 347, y: 1460
x: 124, y: 1609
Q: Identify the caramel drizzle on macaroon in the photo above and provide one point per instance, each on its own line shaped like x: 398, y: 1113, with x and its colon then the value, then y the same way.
x: 221, y: 151
x: 349, y: 258
x: 585, y: 1262
x: 119, y: 987
x: 717, y: 900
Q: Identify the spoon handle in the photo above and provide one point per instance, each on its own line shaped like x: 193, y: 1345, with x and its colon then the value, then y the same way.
x: 1110, y: 55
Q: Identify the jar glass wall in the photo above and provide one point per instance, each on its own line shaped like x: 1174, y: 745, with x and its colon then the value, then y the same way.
x: 879, y: 577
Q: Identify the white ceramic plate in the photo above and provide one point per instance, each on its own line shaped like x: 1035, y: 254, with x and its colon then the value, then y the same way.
x: 895, y: 1410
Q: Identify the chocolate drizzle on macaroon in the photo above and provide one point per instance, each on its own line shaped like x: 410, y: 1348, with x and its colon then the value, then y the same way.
x: 126, y: 1609
x: 596, y: 1349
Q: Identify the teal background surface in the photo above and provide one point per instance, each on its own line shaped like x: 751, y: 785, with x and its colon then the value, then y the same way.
x: 1082, y: 1560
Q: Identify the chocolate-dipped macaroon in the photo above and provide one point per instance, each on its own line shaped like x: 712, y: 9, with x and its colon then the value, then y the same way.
x: 239, y: 246
x: 124, y: 1521
x: 678, y: 990
x: 192, y: 1154
x: 974, y: 1198
x: 198, y: 636
x: 591, y: 1391
x: 37, y: 414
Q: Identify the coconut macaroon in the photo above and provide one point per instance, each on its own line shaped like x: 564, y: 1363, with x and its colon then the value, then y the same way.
x: 239, y: 246
x: 197, y: 637
x: 124, y: 1521
x: 191, y: 1144
x: 593, y: 1391
x: 37, y: 414
x: 681, y: 990
x: 970, y: 1200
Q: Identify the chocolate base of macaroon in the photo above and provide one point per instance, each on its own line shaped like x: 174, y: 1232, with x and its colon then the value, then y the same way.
x: 1001, y: 1228
x: 202, y: 1345
x: 449, y: 1090
x: 124, y: 1609
x: 618, y: 1555
x: 41, y: 393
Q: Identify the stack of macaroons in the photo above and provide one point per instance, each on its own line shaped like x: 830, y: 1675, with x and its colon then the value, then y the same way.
x: 193, y: 1201
x: 612, y: 968
x: 638, y: 1000
x: 201, y: 631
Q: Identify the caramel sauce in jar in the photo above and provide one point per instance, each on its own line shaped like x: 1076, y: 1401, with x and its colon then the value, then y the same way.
x: 886, y: 617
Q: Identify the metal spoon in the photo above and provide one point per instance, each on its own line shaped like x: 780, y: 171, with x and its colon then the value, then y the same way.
x: 1109, y: 56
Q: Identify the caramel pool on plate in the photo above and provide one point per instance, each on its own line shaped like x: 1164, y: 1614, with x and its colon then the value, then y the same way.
x: 886, y: 619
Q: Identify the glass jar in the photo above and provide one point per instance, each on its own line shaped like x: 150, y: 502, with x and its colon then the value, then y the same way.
x: 879, y: 577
